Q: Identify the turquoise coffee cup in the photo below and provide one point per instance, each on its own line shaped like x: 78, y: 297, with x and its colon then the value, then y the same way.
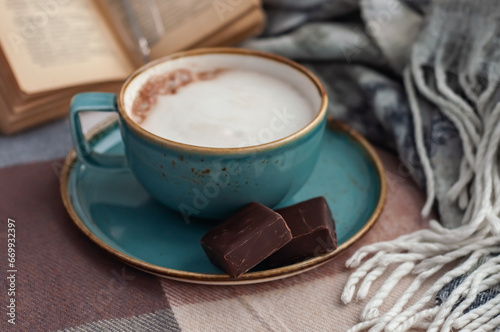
x: 201, y: 181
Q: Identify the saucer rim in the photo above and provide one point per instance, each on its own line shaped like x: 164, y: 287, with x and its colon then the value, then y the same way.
x: 222, y: 279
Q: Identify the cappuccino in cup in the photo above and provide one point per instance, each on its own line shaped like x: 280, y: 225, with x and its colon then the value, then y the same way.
x: 210, y: 102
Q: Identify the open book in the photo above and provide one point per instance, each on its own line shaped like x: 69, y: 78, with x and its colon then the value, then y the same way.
x: 52, y: 49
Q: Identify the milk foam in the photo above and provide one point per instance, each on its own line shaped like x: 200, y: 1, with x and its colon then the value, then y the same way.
x: 235, y: 109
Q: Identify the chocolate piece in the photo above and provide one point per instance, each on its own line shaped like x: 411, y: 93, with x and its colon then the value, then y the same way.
x: 245, y: 239
x: 313, y: 231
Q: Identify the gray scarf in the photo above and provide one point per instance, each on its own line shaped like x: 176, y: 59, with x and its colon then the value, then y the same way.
x: 419, y: 78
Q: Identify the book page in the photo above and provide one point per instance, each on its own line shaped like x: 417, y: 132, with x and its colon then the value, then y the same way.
x: 188, y: 22
x: 58, y: 44
x: 250, y: 24
x: 174, y: 25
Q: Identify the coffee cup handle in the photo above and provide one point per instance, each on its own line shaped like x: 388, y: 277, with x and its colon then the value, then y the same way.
x: 93, y: 102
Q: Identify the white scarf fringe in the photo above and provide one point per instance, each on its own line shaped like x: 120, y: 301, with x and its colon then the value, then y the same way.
x: 426, y: 252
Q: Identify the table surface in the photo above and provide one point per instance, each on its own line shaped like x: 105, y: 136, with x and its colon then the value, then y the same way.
x: 65, y: 282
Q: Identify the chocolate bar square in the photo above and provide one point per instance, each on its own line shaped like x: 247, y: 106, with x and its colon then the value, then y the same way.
x: 245, y: 239
x: 313, y: 232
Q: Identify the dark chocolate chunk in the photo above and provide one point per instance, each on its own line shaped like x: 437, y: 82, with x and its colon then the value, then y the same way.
x: 245, y: 239
x: 313, y: 232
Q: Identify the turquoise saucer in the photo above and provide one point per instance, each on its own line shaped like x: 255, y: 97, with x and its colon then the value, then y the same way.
x: 115, y: 212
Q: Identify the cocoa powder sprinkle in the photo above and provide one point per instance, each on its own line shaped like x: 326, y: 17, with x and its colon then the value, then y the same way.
x: 166, y: 84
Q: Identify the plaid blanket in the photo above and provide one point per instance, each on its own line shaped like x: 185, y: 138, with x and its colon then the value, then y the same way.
x: 359, y: 48
x: 65, y: 282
